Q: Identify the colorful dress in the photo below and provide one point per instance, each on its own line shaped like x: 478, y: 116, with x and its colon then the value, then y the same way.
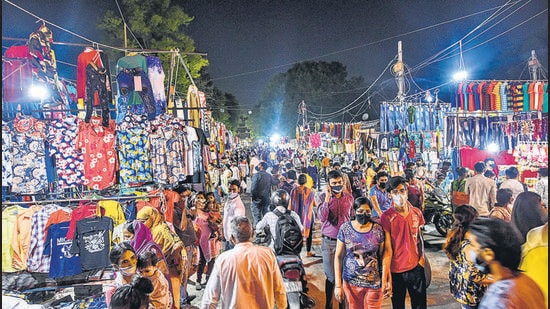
x: 465, y: 278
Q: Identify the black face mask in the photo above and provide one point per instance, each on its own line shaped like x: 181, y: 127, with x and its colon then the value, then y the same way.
x: 336, y: 189
x: 383, y: 185
x: 362, y: 218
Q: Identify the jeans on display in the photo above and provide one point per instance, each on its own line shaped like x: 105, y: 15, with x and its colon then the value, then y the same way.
x: 412, y: 281
x: 96, y: 80
x: 427, y: 119
x: 383, y: 117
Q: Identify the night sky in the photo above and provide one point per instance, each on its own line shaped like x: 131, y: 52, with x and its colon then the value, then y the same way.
x: 248, y: 42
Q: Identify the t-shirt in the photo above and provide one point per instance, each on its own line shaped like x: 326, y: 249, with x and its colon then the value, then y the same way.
x: 63, y: 262
x: 92, y: 242
x: 355, y: 182
x: 362, y: 266
x: 517, y: 292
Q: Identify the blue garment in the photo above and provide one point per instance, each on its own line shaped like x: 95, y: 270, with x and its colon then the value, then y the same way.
x: 383, y: 198
x: 62, y: 262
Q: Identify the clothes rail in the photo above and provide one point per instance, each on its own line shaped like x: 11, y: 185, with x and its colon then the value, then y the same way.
x: 92, y: 199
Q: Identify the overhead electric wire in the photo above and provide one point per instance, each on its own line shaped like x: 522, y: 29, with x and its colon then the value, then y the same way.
x: 356, y: 47
x: 125, y: 24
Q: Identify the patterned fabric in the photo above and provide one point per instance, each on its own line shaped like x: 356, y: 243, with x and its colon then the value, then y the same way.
x: 302, y: 201
x: 69, y: 162
x: 133, y: 153
x: 167, y: 148
x: 362, y: 266
x: 29, y: 163
x: 97, y: 144
x: 7, y: 157
x: 21, y: 239
x: 37, y: 261
x: 465, y: 279
x: 156, y: 76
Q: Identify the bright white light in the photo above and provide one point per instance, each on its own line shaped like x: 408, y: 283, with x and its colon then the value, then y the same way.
x: 38, y: 92
x: 460, y: 76
x: 250, y: 112
x: 493, y: 148
x: 260, y: 141
x: 429, y: 97
x: 275, y: 138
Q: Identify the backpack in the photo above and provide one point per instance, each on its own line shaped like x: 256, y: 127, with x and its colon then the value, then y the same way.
x: 289, y: 239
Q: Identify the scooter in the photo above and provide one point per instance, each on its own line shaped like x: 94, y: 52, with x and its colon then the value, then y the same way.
x: 293, y: 272
x: 438, y: 209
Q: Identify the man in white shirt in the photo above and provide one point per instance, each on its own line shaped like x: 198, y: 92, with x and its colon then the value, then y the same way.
x: 512, y: 182
x: 246, y: 276
x: 482, y: 190
x: 254, y: 161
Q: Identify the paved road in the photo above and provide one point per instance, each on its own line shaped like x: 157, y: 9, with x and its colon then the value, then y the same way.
x: 438, y: 292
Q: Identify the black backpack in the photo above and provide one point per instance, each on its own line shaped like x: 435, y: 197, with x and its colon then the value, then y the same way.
x: 289, y: 239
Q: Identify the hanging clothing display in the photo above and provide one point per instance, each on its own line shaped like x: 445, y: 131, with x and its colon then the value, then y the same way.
x: 156, y: 77
x: 133, y: 150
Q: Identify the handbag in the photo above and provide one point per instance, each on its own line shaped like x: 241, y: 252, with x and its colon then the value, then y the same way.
x: 458, y: 196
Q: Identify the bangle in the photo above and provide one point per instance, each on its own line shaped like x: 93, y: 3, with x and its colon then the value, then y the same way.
x: 337, y: 287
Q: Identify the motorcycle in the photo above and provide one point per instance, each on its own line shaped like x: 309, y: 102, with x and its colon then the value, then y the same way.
x: 437, y: 208
x: 293, y: 272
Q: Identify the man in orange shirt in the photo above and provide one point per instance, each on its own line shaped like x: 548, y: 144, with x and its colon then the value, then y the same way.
x: 325, y: 164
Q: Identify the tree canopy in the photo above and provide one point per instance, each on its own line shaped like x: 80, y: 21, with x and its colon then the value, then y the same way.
x: 154, y: 25
x: 323, y: 86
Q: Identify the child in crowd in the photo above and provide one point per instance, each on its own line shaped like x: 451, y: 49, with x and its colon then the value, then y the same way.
x: 160, y: 298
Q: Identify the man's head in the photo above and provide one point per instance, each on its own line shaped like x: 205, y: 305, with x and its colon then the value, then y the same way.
x: 262, y: 166
x: 504, y: 196
x: 241, y: 230
x: 512, y: 172
x: 355, y: 166
x: 397, y: 188
x: 336, y: 165
x: 291, y: 174
x: 495, y: 240
x: 479, y: 167
x: 490, y: 163
x: 302, y: 179
x: 543, y: 172
x: 335, y: 181
x: 446, y: 165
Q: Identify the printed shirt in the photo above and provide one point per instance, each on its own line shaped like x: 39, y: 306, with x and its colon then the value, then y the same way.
x: 465, y: 279
x: 92, y: 242
x: 29, y: 161
x: 133, y: 150
x: 168, y: 150
x: 9, y: 217
x: 362, y: 266
x: 69, y: 162
x: 37, y: 261
x: 341, y: 208
x: 512, y: 293
x: 7, y: 157
x: 57, y: 246
x: 97, y: 144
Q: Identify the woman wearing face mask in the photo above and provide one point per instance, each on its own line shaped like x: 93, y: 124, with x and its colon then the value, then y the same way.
x: 380, y: 198
x: 233, y: 207
x: 362, y: 260
x: 124, y: 260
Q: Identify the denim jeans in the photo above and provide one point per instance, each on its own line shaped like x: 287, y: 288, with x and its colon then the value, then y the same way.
x: 328, y: 249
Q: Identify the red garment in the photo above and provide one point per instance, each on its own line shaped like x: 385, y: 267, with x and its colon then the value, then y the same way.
x: 16, y: 74
x: 97, y: 144
x: 170, y: 197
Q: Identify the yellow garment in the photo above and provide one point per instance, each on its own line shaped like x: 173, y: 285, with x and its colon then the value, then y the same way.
x: 162, y: 234
x: 113, y: 210
x: 193, y: 102
x: 9, y: 216
x: 21, y: 239
x: 161, y: 297
x: 309, y: 181
x: 534, y: 261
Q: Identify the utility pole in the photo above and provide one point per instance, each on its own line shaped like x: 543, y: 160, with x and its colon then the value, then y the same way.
x: 534, y: 66
x: 399, y: 71
x: 303, y: 110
